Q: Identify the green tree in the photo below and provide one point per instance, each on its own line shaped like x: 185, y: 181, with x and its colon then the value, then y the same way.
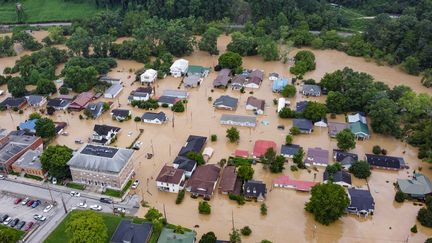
x: 230, y: 60
x: 360, y: 169
x: 8, y: 235
x: 235, y: 236
x: 246, y: 231
x: 327, y: 203
x: 304, y: 61
x: 54, y: 160
x: 263, y: 209
x: 400, y: 197
x: 268, y: 49
x: 298, y: 158
x: 79, y: 42
x: 346, y: 140
x: 209, y: 41
x: 16, y: 87
x: 198, y: 157
x: 80, y: 79
x: 266, y: 241
x: 424, y: 216
x: 376, y: 149
x: 242, y: 44
x: 55, y: 33
x: 289, y: 91
x: 204, y: 207
x: 245, y: 172
x: 288, y: 139
x: 315, y: 111
x: 35, y: 115
x: 88, y: 225
x: 277, y: 165
x: 153, y: 214
x: 385, y: 117
x: 45, y: 128
x: 411, y: 65
x: 6, y: 47
x: 233, y: 134
x: 294, y: 131
x: 178, y: 107
x: 426, y: 79
x: 337, y: 102
x: 208, y: 237
x: 45, y: 87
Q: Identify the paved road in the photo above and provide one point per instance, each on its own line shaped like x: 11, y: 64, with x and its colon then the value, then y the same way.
x: 7, y: 26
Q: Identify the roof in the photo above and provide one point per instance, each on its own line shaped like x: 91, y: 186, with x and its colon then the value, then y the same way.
x: 261, y: 147
x: 153, y: 115
x: 297, y: 184
x: 226, y: 100
x: 169, y: 174
x: 241, y: 153
x: 301, y: 106
x: 418, y: 185
x: 114, y: 89
x: 13, y: 102
x: 238, y: 79
x: 238, y: 119
x: 312, y: 89
x: 194, y: 144
x: 317, y: 155
x: 95, y: 108
x: 274, y: 75
x: 203, y: 179
x: 338, y: 176
x: 168, y: 236
x: 279, y: 84
x: 361, y: 199
x: 254, y: 188
x: 147, y: 90
x: 192, y: 80
x: 385, y: 161
x: 109, y: 79
x: 359, y: 128
x: 358, y: 117
x: 335, y: 127
x: 290, y: 149
x: 185, y: 163
x: 167, y: 100
x: 223, y: 78
x: 103, y: 130
x: 149, y: 73
x: 345, y: 158
x: 35, y: 99
x: 256, y: 75
x: 195, y: 69
x: 303, y: 124
x: 228, y: 179
x: 100, y: 158
x: 120, y: 112
x: 29, y: 125
x: 128, y: 232
x: 14, y: 144
x: 181, y: 94
x: 82, y: 100
x: 255, y: 102
x: 58, y: 102
x: 180, y: 64
x: 30, y: 159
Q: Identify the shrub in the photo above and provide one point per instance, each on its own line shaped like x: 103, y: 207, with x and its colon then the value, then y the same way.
x: 213, y: 138
x: 275, y: 101
x: 204, y: 207
x: 137, y: 119
x: 20, y: 112
x: 178, y: 107
x: 414, y: 229
x: 263, y: 209
x: 288, y: 139
x: 238, y: 198
x: 293, y: 168
x: 376, y: 149
x: 209, y: 98
x: 81, y: 117
x: 180, y: 197
x: 246, y: 231
x: 400, y: 197
x: 294, y: 131
x: 384, y: 151
x: 165, y: 105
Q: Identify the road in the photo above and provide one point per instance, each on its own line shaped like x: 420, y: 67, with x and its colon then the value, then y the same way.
x: 58, y: 212
x: 48, y: 24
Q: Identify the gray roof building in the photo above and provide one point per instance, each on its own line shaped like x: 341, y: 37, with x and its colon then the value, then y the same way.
x: 417, y: 187
x: 170, y: 100
x: 30, y: 159
x: 290, y: 150
x: 113, y: 91
x: 238, y: 120
x: 95, y: 109
x: 301, y: 106
x: 128, y: 232
x: 361, y: 202
x: 226, y: 102
x: 181, y: 94
x: 335, y: 127
x: 304, y: 125
x: 192, y: 81
x: 153, y: 116
x: 223, y: 78
x: 311, y: 90
x: 36, y: 100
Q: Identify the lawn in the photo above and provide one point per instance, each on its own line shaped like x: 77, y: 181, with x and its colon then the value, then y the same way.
x: 18, y: 233
x: 116, y: 193
x: 75, y: 186
x: 47, y: 10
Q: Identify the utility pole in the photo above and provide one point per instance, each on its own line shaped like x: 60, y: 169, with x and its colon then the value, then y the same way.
x: 232, y: 219
x: 151, y: 143
x: 165, y: 212
x: 173, y: 120
x: 63, y: 203
x: 49, y: 190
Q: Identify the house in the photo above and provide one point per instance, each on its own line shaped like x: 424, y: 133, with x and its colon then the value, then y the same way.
x: 13, y: 146
x: 193, y: 144
x: 95, y: 110
x: 225, y: 102
x: 311, y: 90
x: 418, y: 187
x: 255, y: 190
x: 254, y: 79
x: 361, y: 202
x: 110, y: 80
x: 200, y: 71
x: 238, y: 82
x: 299, y: 185
x: 59, y: 103
x: 255, y: 104
x: 223, y: 78
x: 129, y: 232
x: 357, y: 117
x: 321, y: 123
x: 170, y: 179
x: 238, y: 120
x: 341, y: 178
x: 185, y: 164
x: 192, y: 81
x: 335, y: 127
x: 113, y: 91
x: 289, y: 150
x: 141, y: 94
x: 81, y: 101
x: 207, y: 153
x: 149, y: 76
x: 104, y: 134
x: 304, y: 125
x: 301, y: 106
x: 385, y: 162
x: 273, y: 76
x: 154, y: 118
x: 279, y: 85
x: 59, y: 127
x: 36, y: 100
x: 179, y: 94
x: 229, y: 183
x: 360, y: 130
x: 169, y: 236
x: 317, y: 157
x: 29, y: 163
x: 203, y: 181
x: 241, y: 153
x: 28, y: 126
x: 102, y: 166
x: 344, y: 158
x: 14, y: 103
x: 179, y: 68
x: 261, y: 147
x: 282, y: 103
x: 121, y: 114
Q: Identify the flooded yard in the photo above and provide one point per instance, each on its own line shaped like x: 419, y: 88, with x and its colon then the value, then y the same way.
x: 286, y: 221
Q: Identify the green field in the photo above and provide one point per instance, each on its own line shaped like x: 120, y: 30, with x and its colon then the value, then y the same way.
x: 47, y: 10
x: 18, y: 233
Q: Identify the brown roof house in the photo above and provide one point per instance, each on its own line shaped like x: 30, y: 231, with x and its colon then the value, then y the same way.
x: 238, y: 82
x: 203, y: 181
x: 223, y: 78
x: 317, y: 157
x: 255, y: 104
x: 81, y: 101
x: 229, y: 182
x: 170, y: 179
x: 254, y: 79
x: 335, y: 127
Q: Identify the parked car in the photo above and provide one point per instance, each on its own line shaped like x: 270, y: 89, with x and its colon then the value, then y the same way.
x: 2, y: 177
x: 36, y: 203
x: 20, y: 225
x: 96, y: 207
x: 30, y: 202
x: 14, y: 222
x: 48, y: 208
x: 106, y: 200
x: 82, y: 205
x: 75, y: 194
x: 7, y: 220
x: 135, y: 184
x: 54, y: 181
x: 3, y: 218
x: 39, y: 217
x: 28, y: 226
x: 25, y: 201
x: 18, y: 200
x: 119, y: 210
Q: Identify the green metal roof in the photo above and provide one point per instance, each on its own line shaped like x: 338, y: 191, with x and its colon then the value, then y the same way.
x: 418, y: 185
x: 359, y: 128
x: 168, y: 236
x: 197, y: 69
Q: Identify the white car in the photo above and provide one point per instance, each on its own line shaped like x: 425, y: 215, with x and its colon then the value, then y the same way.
x: 24, y: 202
x: 135, y: 184
x: 119, y: 210
x: 7, y: 221
x: 82, y: 205
x: 54, y: 181
x: 48, y: 208
x: 39, y: 217
x: 96, y: 207
x: 2, y: 177
x: 75, y: 194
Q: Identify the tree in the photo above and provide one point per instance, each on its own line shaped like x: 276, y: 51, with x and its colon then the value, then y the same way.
x: 268, y: 49
x: 289, y: 91
x: 55, y: 33
x: 245, y: 172
x: 198, y: 157
x: 88, y: 225
x: 294, y: 131
x: 246, y: 231
x: 265, y: 241
x: 337, y: 102
x: 277, y: 165
x: 233, y: 134
x: 208, y: 237
x: 204, y: 207
x: 178, y: 107
x: 411, y: 65
x: 45, y: 128
x: 376, y: 149
x: 6, y: 47
x: 315, y: 111
x: 327, y: 203
x: 35, y: 115
x: 288, y: 139
x: 153, y: 214
x: 234, y: 236
x: 346, y: 140
x: 424, y: 216
x: 230, y: 60
x: 304, y: 61
x: 242, y: 44
x: 426, y: 79
x: 400, y: 197
x: 360, y: 169
x: 80, y: 79
x: 385, y: 117
x: 54, y: 160
x: 79, y: 42
x: 298, y: 158
x: 8, y: 235
x: 209, y: 41
x: 45, y: 87
x: 16, y: 87
x: 263, y: 209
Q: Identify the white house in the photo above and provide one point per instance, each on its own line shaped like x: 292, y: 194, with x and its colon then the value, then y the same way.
x: 149, y: 76
x: 282, y: 103
x: 358, y: 117
x: 207, y: 153
x: 154, y: 118
x: 170, y: 179
x: 321, y: 123
x: 104, y: 134
x: 179, y: 68
x: 113, y: 91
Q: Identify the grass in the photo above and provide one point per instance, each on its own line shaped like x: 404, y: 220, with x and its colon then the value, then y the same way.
x: 117, y: 193
x: 33, y: 177
x: 355, y: 18
x: 75, y: 186
x: 18, y: 234
x: 47, y: 10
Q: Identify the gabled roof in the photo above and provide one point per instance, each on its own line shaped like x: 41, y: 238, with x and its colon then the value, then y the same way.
x: 357, y: 117
x: 418, y: 185
x: 114, y: 89
x: 120, y: 112
x: 148, y: 90
x: 194, y: 144
x: 301, y: 106
x: 256, y: 74
x: 95, y: 108
x: 335, y: 127
x: 167, y: 100
x: 181, y: 94
x: 317, y: 155
x: 29, y: 125
x: 226, y: 100
x: 297, y: 184
x: 169, y: 174
x: 82, y: 100
x: 184, y: 163
x: 35, y: 99
x: 359, y: 128
x: 303, y: 124
x: 103, y: 130
x: 129, y: 232
x: 58, y: 102
x: 13, y: 102
x: 345, y: 158
x: 228, y: 179
x: 236, y: 120
x: 338, y: 176
x: 312, y: 89
x: 279, y: 84
x: 238, y: 80
x: 261, y: 147
x: 191, y: 80
x: 291, y: 149
x: 195, y: 69
x: 385, y: 161
x: 153, y: 115
x: 223, y: 78
x: 203, y: 179
x: 168, y: 236
x: 255, y: 102
x: 241, y: 153
x: 361, y: 199
x: 254, y: 188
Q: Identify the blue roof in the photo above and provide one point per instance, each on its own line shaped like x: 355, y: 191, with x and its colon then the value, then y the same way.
x: 29, y: 125
x: 279, y: 84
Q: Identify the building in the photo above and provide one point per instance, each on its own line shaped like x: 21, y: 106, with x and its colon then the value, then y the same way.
x: 357, y: 117
x: 301, y: 106
x: 289, y: 150
x: 95, y: 110
x: 223, y: 78
x: 169, y: 236
x: 273, y: 76
x: 200, y: 71
x: 29, y: 126
x: 341, y: 178
x: 317, y: 157
x: 225, y: 102
x: 129, y: 232
x: 102, y: 166
x: 360, y: 130
x: 255, y: 104
x: 261, y: 147
x: 140, y: 94
x: 304, y: 125
x: 170, y: 179
x: 14, y: 103
x: 321, y: 123
x: 207, y: 153
x: 419, y: 187
x: 185, y: 164
x: 113, y: 91
x: 154, y: 118
x: 121, y: 114
x: 13, y: 146
x: 385, y: 162
x: 241, y: 153
x: 229, y: 182
x: 282, y: 103
x: 59, y: 103
x: 36, y: 100
x: 29, y: 163
x: 193, y: 144
x: 361, y: 202
x: 149, y: 76
x: 81, y: 101
x: 180, y: 94
x: 203, y: 181
x: 254, y: 79
x: 299, y: 185
x: 167, y: 100
x: 238, y: 120
x: 110, y: 80
x: 311, y: 90
x: 344, y: 158
x: 179, y: 68
x: 335, y: 127
x: 238, y: 82
x: 255, y: 190
x: 104, y: 134
x: 192, y: 81
x: 279, y: 85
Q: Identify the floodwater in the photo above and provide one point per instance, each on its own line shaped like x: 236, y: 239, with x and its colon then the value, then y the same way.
x: 286, y: 220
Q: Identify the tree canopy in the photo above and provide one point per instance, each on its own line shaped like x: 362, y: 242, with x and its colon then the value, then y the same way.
x: 230, y: 60
x: 45, y: 128
x: 360, y: 169
x: 54, y: 159
x: 88, y: 225
x: 346, y: 140
x: 233, y: 134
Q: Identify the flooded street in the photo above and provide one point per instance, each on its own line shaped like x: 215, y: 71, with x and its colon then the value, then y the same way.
x: 287, y: 220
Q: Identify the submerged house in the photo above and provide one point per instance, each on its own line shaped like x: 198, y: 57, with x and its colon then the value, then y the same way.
x: 225, y: 102
x: 304, y: 125
x: 255, y: 104
x: 81, y: 101
x: 130, y: 232
x: 59, y: 103
x: 113, y: 91
x: 14, y: 103
x: 346, y: 159
x: 154, y: 118
x: 203, y: 181
x: 279, y: 85
x: 335, y: 127
x: 187, y: 165
x: 223, y: 78
x: 299, y: 185
x: 121, y: 114
x: 149, y: 76
x: 340, y: 178
x: 360, y: 130
x: 193, y: 144
x: 419, y: 187
x: 301, y: 106
x: 104, y: 134
x: 261, y: 147
x: 170, y: 179
x: 238, y: 120
x: 317, y: 157
x: 255, y: 190
x: 311, y: 90
x: 385, y: 162
x: 179, y: 68
x: 289, y: 150
x: 95, y: 110
x: 36, y: 100
x: 361, y: 202
x: 200, y: 71
x: 230, y: 183
x: 192, y: 81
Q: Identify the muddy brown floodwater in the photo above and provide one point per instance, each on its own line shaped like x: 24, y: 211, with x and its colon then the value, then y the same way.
x: 286, y: 220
